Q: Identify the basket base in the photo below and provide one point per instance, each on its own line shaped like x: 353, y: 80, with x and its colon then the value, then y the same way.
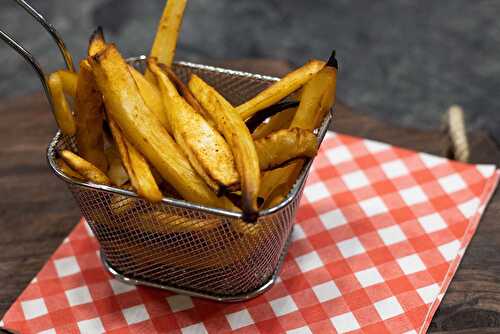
x: 227, y: 299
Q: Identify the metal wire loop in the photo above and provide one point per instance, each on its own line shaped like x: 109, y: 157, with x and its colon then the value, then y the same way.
x: 9, y: 40
x: 51, y: 30
x: 28, y: 56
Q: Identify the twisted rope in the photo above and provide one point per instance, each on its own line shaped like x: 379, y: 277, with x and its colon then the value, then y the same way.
x: 458, y: 145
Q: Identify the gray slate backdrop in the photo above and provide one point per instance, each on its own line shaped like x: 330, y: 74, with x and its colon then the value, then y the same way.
x: 404, y: 61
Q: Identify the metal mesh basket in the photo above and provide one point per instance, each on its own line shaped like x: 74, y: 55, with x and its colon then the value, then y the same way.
x: 186, y: 247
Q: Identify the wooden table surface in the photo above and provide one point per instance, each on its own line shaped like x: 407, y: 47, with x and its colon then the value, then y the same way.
x: 37, y: 211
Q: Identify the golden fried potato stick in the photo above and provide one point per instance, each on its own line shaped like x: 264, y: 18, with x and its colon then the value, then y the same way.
x: 198, y: 167
x: 149, y: 92
x: 167, y: 33
x: 186, y: 93
x: 273, y: 181
x: 97, y: 43
x: 280, y: 89
x: 127, y: 108
x: 69, y: 80
x: 116, y: 171
x: 66, y: 169
x: 89, y: 118
x: 206, y: 149
x: 136, y: 166
x: 297, y: 95
x: 317, y: 99
x: 276, y: 122
x: 62, y: 112
x: 286, y: 145
x: 151, y: 96
x: 85, y: 168
x: 232, y: 127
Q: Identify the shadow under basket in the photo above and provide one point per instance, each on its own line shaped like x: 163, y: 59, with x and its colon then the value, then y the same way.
x: 185, y: 247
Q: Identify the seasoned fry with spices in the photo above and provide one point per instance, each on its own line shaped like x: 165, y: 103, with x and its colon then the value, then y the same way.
x: 233, y: 128
x: 127, y: 108
x: 283, y: 146
x: 206, y: 149
x: 151, y: 96
x: 66, y: 169
x: 89, y: 118
x: 280, y: 89
x: 136, y: 166
x: 186, y: 93
x: 62, y: 111
x: 317, y: 98
x: 85, y: 168
x: 167, y: 33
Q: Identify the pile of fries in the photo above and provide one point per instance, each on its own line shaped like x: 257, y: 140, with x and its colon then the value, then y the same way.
x: 159, y: 136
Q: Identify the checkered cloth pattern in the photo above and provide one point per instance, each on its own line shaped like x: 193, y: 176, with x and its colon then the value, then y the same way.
x: 379, y: 235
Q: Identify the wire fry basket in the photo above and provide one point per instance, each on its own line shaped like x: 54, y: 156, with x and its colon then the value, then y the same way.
x: 177, y: 245
x: 186, y: 247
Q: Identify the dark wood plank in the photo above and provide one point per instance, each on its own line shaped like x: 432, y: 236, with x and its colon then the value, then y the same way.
x: 37, y: 211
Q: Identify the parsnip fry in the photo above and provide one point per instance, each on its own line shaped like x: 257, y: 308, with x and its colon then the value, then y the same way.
x: 126, y: 106
x: 208, y: 152
x: 96, y: 42
x: 137, y: 168
x: 297, y: 95
x: 151, y: 96
x: 232, y: 127
x: 193, y: 159
x: 66, y: 169
x: 280, y: 89
x: 317, y: 98
x: 116, y: 171
x: 62, y: 112
x: 284, y: 146
x: 149, y: 92
x: 68, y: 80
x: 275, y: 123
x: 85, y: 168
x: 186, y: 93
x: 167, y: 33
x: 89, y: 118
x: 273, y: 181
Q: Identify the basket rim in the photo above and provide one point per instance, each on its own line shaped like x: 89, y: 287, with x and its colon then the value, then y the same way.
x: 291, y: 196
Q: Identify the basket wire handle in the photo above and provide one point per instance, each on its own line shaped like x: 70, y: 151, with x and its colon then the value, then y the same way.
x: 51, y: 30
x: 31, y: 60
x: 10, y: 41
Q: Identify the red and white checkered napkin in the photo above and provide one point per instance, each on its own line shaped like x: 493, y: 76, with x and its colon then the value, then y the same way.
x: 379, y: 235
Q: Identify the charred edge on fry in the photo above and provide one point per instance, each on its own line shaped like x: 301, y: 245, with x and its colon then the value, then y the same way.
x: 332, y: 61
x: 265, y: 113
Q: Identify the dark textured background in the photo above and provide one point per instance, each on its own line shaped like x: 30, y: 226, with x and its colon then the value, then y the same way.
x: 404, y: 61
